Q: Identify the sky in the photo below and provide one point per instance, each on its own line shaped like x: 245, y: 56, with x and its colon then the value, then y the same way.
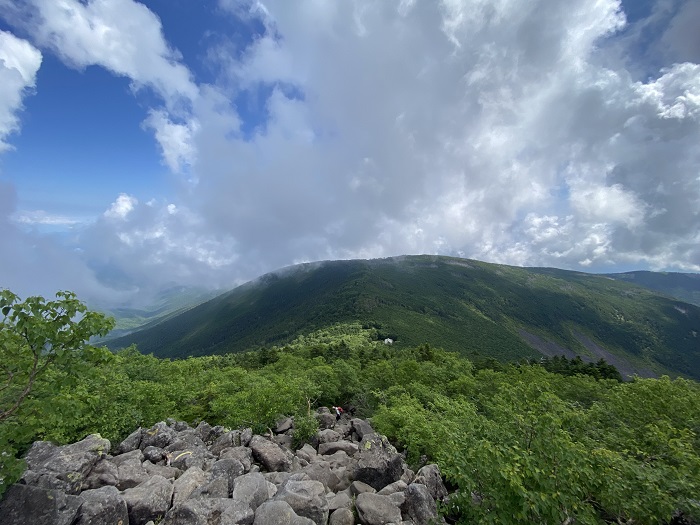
x: 170, y: 142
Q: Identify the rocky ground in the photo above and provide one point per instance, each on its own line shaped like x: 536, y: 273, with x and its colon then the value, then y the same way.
x: 172, y: 474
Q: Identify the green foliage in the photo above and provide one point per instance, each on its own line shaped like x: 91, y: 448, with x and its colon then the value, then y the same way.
x: 305, y: 427
x: 522, y: 444
x: 463, y: 306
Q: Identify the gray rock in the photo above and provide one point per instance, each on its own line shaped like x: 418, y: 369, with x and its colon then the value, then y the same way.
x: 348, y: 447
x: 361, y: 427
x: 242, y: 454
x: 358, y: 487
x: 283, y: 440
x: 340, y: 501
x: 272, y: 457
x: 214, y: 488
x: 430, y: 476
x: 396, y: 486
x: 170, y: 473
x: 132, y: 442
x: 64, y: 468
x: 148, y: 501
x: 229, y: 469
x: 246, y: 436
x: 187, y: 483
x: 322, y: 472
x: 252, y: 489
x: 25, y: 505
x: 307, y: 498
x: 209, y: 511
x: 307, y: 452
x: 342, y: 516
x: 102, y: 506
x: 279, y: 513
x: 339, y: 459
x: 204, y: 431
x: 103, y: 473
x: 419, y: 505
x: 128, y: 456
x: 325, y: 420
x: 159, y: 435
x: 154, y: 454
x: 283, y: 425
x: 327, y: 436
x: 373, y: 509
x: 192, y: 457
x: 130, y: 473
x: 227, y: 440
x: 378, y: 463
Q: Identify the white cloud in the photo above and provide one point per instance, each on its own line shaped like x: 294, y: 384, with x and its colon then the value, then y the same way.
x: 19, y: 63
x: 521, y: 133
x: 126, y: 38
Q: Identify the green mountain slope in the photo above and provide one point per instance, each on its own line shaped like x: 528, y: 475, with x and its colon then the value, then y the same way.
x: 167, y: 303
x: 461, y: 305
x: 683, y: 286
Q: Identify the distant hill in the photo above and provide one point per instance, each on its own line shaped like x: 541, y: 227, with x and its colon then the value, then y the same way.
x: 165, y: 304
x: 461, y: 305
x: 683, y: 286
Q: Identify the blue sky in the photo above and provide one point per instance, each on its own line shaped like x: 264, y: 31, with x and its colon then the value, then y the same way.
x: 145, y: 144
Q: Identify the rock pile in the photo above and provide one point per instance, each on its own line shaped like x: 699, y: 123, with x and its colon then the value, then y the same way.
x: 177, y: 475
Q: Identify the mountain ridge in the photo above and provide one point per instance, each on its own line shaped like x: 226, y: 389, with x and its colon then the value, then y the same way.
x: 462, y: 305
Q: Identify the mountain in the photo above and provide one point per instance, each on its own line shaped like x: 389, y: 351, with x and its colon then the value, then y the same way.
x: 461, y: 305
x: 683, y: 286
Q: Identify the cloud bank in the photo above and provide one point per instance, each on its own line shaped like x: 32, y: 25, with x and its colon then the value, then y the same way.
x: 523, y: 133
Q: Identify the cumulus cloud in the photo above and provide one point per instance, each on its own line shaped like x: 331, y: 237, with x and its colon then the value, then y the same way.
x: 126, y: 38
x: 19, y: 63
x: 524, y: 133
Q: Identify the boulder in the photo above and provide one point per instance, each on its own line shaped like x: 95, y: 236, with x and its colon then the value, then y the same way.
x: 246, y: 436
x: 64, y: 468
x: 327, y: 436
x: 229, y: 469
x: 272, y: 457
x: 339, y: 501
x: 396, y: 486
x: 322, y: 472
x: 283, y: 425
x: 348, y: 447
x: 130, y: 472
x: 378, y: 463
x: 187, y: 483
x: 361, y: 428
x: 103, y: 473
x: 342, y: 516
x: 229, y: 439
x: 279, y: 513
x: 373, y: 509
x: 325, y: 421
x: 307, y: 498
x: 251, y: 489
x: 209, y: 511
x: 242, y: 454
x: 132, y: 442
x: 419, y: 505
x: 148, y: 501
x: 170, y: 473
x: 430, y: 476
x: 358, y: 487
x: 159, y: 435
x: 26, y: 505
x: 103, y: 505
x: 154, y: 454
x: 214, y: 488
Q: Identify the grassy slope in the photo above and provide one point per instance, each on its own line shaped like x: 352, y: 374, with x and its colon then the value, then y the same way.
x: 465, y: 306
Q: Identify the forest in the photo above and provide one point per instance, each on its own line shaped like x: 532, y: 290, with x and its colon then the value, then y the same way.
x: 536, y: 441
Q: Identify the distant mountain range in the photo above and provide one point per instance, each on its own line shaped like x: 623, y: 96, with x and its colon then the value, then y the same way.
x: 466, y: 306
